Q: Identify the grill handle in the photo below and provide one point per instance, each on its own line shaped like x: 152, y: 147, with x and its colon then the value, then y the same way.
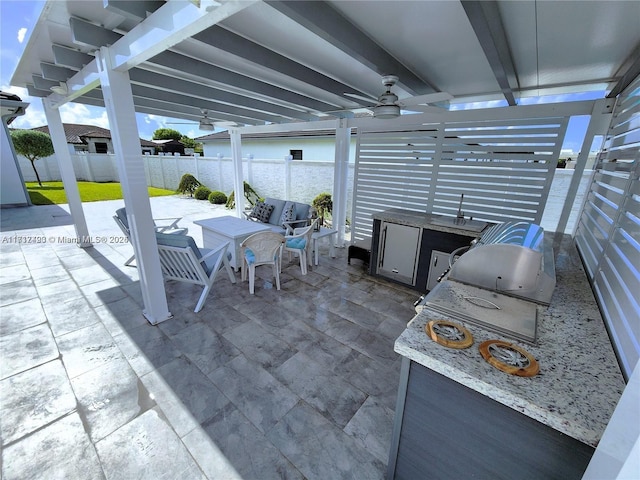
x: 456, y: 252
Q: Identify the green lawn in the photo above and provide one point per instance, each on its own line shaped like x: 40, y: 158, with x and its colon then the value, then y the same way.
x: 52, y: 193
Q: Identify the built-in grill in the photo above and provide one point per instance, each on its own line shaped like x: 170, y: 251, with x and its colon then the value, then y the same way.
x: 499, y: 280
x: 510, y: 258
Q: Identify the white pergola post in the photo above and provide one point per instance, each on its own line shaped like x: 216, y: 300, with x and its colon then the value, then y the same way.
x: 63, y: 156
x: 118, y: 99
x: 236, y: 157
x: 598, y: 125
x: 340, y: 178
x: 287, y: 176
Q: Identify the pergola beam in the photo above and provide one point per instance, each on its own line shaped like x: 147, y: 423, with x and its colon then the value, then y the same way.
x: 152, y: 93
x: 152, y: 37
x: 175, y: 61
x: 68, y: 57
x: 322, y: 19
x: 487, y: 24
x: 56, y: 72
x: 137, y: 10
x: 218, y: 37
x: 175, y: 85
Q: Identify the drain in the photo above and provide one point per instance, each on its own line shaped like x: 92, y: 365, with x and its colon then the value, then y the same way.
x: 449, y: 334
x: 509, y: 358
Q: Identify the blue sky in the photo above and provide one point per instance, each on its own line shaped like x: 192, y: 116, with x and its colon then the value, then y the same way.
x: 17, y: 18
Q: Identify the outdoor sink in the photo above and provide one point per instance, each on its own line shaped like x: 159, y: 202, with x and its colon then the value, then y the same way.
x: 459, y: 223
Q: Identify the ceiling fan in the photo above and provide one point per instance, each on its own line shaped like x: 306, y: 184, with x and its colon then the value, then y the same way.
x: 205, y: 122
x: 389, y: 106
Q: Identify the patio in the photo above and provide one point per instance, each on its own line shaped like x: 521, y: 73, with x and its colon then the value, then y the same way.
x: 297, y: 383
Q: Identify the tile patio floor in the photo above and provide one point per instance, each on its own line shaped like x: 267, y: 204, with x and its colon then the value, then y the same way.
x: 298, y: 383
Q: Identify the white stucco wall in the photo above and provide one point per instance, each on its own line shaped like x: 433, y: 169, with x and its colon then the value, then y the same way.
x: 12, y: 190
x: 313, y: 149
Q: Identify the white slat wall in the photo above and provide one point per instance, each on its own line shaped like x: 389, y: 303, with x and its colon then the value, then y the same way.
x: 608, y: 234
x: 504, y: 168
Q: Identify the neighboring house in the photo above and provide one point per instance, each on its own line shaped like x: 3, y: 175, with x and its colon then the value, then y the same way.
x: 170, y: 146
x: 92, y: 139
x: 313, y: 145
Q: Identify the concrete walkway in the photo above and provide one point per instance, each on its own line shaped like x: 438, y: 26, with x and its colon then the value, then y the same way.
x: 296, y: 383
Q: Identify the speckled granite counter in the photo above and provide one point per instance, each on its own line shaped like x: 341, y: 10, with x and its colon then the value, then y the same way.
x: 439, y: 223
x: 579, y: 383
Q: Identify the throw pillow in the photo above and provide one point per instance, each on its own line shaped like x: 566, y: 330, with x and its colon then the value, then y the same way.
x: 262, y: 211
x: 288, y: 213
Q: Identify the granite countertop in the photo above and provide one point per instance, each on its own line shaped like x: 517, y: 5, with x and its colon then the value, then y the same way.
x: 441, y: 223
x: 579, y: 383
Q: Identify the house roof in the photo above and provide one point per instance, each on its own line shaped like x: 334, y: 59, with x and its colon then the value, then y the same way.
x: 257, y: 62
x: 76, y: 133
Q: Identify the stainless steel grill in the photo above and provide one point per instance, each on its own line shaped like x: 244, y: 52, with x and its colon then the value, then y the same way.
x: 510, y: 258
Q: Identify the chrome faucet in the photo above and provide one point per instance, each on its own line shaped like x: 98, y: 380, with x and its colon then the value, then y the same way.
x: 460, y: 220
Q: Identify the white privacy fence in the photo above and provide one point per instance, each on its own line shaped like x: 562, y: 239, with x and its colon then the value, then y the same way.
x: 268, y: 176
x: 304, y: 180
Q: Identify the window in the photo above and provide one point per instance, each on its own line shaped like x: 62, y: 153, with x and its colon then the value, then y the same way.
x: 101, y: 147
x: 296, y: 154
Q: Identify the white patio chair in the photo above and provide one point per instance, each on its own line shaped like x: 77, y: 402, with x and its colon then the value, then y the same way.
x: 262, y: 248
x: 301, y: 243
x: 182, y: 260
x: 170, y: 228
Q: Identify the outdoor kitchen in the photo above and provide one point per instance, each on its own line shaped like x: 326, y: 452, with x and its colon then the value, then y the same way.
x: 507, y: 369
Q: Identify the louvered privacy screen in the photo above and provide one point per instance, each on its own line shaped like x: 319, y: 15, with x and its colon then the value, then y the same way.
x: 608, y: 235
x: 504, y: 168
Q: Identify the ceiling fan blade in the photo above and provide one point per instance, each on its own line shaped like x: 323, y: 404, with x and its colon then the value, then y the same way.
x: 427, y: 98
x: 420, y: 109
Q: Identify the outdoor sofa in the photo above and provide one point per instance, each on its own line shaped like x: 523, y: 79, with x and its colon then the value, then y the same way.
x: 279, y: 214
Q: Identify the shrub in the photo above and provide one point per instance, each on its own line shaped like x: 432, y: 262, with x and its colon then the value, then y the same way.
x: 217, y: 198
x: 188, y: 184
x: 202, y: 193
x: 249, y: 193
x: 323, y: 204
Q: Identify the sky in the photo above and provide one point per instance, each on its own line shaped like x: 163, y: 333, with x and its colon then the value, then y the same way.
x: 17, y: 19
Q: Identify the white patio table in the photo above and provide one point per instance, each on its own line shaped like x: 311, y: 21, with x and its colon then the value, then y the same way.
x: 216, y: 231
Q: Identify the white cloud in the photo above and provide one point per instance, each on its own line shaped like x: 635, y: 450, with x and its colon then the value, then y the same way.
x: 34, y: 116
x: 79, y: 113
x: 21, y: 34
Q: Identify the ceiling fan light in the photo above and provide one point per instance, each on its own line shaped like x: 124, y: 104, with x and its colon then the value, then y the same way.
x: 206, y: 126
x: 386, y: 111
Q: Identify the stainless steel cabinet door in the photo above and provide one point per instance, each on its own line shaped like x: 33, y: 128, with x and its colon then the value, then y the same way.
x: 399, y: 249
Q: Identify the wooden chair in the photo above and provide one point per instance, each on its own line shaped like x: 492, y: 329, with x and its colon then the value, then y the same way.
x: 183, y: 261
x: 301, y: 243
x: 262, y: 248
x: 170, y: 228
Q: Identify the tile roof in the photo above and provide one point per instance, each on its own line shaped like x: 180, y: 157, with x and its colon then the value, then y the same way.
x: 75, y: 133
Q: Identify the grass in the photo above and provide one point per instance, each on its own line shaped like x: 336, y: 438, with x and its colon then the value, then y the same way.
x: 52, y: 193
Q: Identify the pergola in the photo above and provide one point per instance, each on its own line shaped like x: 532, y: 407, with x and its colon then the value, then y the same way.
x: 268, y: 65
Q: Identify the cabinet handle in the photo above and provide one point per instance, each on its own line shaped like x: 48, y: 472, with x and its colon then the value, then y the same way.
x: 435, y: 262
x: 383, y: 242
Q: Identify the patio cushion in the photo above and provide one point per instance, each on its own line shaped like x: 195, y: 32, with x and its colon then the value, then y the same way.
x: 288, y: 213
x: 178, y: 241
x: 261, y: 211
x: 250, y: 256
x: 297, y: 243
x: 210, y: 262
x: 121, y: 213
